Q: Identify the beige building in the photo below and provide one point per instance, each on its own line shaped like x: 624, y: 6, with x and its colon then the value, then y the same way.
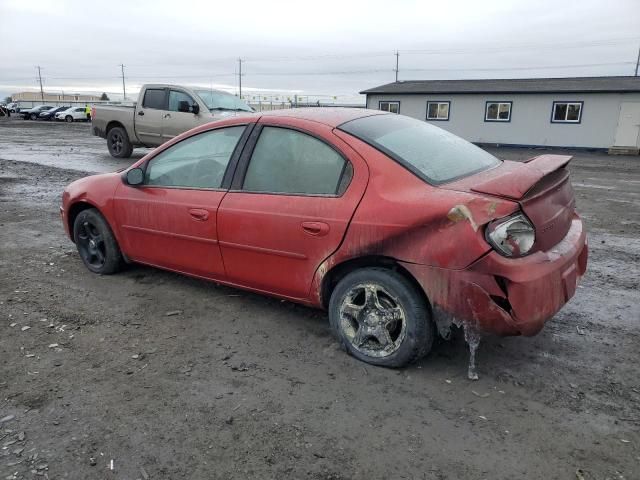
x: 586, y: 112
x: 53, y: 97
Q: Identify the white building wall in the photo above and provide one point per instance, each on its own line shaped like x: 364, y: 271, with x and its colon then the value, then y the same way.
x: 530, y: 117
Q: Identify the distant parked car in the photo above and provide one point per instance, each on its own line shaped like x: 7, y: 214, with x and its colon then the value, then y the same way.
x: 51, y: 114
x: 33, y: 113
x: 13, y: 107
x: 72, y: 114
x: 391, y: 224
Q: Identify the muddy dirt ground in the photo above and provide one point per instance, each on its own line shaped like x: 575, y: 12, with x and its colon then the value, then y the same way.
x: 238, y: 386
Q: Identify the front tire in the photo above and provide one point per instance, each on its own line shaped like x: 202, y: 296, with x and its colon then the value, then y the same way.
x: 68, y: 119
x: 118, y: 143
x: 96, y: 243
x: 33, y: 116
x: 381, y: 318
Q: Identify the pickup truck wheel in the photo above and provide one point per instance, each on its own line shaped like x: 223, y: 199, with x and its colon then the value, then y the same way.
x: 68, y: 119
x: 118, y: 143
x: 381, y: 318
x: 96, y: 243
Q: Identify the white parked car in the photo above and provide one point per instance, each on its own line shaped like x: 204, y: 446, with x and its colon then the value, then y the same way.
x: 72, y: 114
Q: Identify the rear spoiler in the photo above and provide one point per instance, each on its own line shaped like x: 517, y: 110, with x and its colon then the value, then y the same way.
x: 516, y: 179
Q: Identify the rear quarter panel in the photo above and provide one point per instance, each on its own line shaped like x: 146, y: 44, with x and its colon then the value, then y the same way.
x: 105, y: 115
x: 404, y: 218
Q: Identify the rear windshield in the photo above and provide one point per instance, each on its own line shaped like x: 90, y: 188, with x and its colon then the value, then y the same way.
x: 433, y: 154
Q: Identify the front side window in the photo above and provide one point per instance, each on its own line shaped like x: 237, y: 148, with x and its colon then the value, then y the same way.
x: 566, y: 112
x: 175, y: 97
x: 196, y: 162
x: 288, y: 161
x: 154, y: 98
x: 438, y: 110
x: 393, y: 107
x: 431, y: 153
x: 497, y: 112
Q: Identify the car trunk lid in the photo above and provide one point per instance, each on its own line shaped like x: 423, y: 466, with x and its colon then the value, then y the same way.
x: 540, y: 185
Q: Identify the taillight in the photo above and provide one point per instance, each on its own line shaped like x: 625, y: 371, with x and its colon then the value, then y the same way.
x: 512, y: 236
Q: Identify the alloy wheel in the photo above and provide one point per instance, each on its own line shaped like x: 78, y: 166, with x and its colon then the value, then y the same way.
x: 91, y: 245
x: 372, y: 320
x: 116, y: 143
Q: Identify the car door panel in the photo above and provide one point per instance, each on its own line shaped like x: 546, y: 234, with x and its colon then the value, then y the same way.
x: 175, y: 122
x: 275, y: 242
x: 171, y: 219
x: 149, y: 117
x: 171, y: 228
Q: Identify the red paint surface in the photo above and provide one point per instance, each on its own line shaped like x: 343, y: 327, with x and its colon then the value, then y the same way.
x: 287, y: 245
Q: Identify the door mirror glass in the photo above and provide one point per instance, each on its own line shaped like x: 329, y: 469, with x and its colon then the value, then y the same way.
x: 183, y: 106
x: 135, y: 176
x: 195, y: 108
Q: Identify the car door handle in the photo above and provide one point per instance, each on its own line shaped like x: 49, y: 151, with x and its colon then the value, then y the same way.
x: 141, y: 113
x: 317, y: 229
x: 199, y: 214
x: 167, y: 115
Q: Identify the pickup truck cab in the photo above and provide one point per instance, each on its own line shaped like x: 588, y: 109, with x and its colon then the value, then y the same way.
x: 161, y: 113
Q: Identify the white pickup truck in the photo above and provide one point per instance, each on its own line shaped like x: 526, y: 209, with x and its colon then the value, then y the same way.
x: 161, y: 113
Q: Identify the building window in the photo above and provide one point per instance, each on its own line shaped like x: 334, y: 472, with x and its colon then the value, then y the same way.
x: 393, y: 107
x: 438, y: 110
x: 566, y: 112
x: 497, y: 112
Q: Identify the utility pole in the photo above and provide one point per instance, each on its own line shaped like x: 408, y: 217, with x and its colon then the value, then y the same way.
x: 240, y: 76
x: 40, y: 80
x: 637, y: 62
x: 124, y: 90
x: 397, y: 63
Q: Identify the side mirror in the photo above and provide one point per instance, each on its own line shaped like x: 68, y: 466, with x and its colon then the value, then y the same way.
x: 183, y: 106
x: 135, y: 176
x: 195, y: 108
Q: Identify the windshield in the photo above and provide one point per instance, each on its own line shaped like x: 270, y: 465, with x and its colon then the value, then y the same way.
x: 432, y: 153
x: 215, y: 100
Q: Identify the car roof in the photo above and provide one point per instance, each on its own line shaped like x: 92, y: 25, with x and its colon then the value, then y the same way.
x: 331, y: 116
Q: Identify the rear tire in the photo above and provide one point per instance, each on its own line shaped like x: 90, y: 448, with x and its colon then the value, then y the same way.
x: 118, y: 143
x: 96, y: 243
x: 381, y: 318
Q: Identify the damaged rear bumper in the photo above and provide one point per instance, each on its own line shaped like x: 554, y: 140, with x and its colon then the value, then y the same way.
x: 507, y: 296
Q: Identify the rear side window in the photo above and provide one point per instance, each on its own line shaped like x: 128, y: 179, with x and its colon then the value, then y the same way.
x: 154, y: 98
x: 196, y: 162
x: 431, y: 153
x: 288, y: 161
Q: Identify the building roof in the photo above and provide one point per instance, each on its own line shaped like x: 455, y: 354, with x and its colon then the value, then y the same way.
x: 514, y: 85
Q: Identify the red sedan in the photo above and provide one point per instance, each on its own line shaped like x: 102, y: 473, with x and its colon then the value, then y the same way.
x: 396, y: 227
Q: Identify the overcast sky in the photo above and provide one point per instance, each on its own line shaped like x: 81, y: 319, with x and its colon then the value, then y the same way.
x: 310, y: 48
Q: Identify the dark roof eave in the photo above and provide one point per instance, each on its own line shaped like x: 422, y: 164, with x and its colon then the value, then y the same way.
x: 485, y: 92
